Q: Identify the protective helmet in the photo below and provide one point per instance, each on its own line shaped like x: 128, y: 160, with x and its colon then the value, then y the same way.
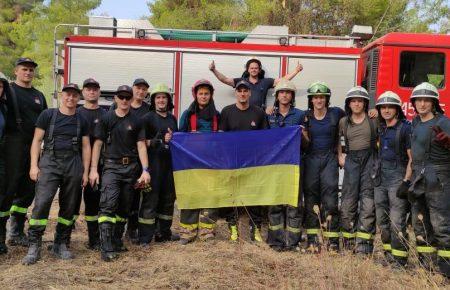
x: 284, y: 85
x: 390, y: 98
x: 318, y: 89
x: 357, y: 92
x: 161, y: 88
x: 202, y: 82
x: 426, y: 90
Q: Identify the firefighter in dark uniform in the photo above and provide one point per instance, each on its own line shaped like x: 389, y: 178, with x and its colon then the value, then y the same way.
x: 24, y: 107
x: 156, y: 212
x: 430, y: 188
x: 321, y: 169
x: 285, y: 221
x: 395, y: 172
x: 64, y: 164
x: 4, y: 214
x: 357, y: 213
x: 123, y: 137
x: 139, y: 108
x: 92, y: 113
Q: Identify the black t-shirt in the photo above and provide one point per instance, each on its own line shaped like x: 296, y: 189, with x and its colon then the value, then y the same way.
x: 422, y: 140
x: 259, y: 90
x: 92, y: 117
x: 125, y: 132
x: 65, y: 128
x: 31, y: 103
x: 139, y: 112
x: 156, y: 127
x: 234, y: 119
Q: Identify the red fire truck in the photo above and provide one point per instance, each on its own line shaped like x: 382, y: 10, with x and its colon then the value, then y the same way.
x: 396, y: 61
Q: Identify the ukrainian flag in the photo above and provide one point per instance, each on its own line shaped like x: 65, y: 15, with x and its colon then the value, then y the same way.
x: 244, y: 168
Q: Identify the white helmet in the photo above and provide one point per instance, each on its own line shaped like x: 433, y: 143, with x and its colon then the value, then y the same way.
x: 357, y: 92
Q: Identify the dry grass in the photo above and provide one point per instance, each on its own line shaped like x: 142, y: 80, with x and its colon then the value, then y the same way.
x: 217, y: 265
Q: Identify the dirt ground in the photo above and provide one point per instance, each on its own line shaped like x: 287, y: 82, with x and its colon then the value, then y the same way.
x: 206, y: 265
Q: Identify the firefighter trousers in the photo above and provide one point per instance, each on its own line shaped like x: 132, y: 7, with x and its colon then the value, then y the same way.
x: 20, y: 189
x: 391, y: 211
x: 116, y: 193
x: 201, y: 220
x: 431, y: 213
x: 156, y: 212
x: 357, y: 205
x: 63, y: 169
x: 4, y: 215
x: 320, y: 185
x: 255, y: 214
x: 284, y: 226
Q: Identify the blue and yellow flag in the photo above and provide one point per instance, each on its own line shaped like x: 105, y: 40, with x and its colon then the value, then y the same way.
x: 243, y: 168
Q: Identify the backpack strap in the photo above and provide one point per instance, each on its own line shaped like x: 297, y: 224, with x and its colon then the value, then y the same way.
x: 373, y: 134
x: 344, y: 132
x: 193, y: 122
x: 49, y: 140
x: 76, y: 140
x: 334, y: 132
x: 398, y: 133
x: 15, y: 103
x: 215, y: 123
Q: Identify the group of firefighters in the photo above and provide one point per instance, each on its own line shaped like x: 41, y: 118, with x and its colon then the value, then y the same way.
x: 395, y: 172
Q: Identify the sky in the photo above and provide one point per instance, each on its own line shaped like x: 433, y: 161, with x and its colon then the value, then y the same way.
x: 123, y: 9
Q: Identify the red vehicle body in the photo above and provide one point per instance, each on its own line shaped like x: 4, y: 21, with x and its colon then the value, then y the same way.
x: 399, y: 61
x: 396, y: 62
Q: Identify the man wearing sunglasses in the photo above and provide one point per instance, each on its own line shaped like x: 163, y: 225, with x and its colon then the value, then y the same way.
x: 125, y: 167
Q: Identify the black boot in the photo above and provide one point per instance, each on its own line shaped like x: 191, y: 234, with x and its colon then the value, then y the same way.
x: 333, y: 245
x: 119, y: 229
x: 106, y: 241
x: 163, y: 233
x: 3, y: 248
x: 364, y: 247
x: 34, y: 253
x: 17, y: 236
x: 313, y: 244
x: 146, y: 233
x: 348, y: 244
x: 60, y: 245
x: 93, y: 236
x: 132, y: 229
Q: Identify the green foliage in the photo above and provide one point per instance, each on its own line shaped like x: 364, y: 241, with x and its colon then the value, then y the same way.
x: 10, y: 14
x: 325, y: 17
x: 32, y: 34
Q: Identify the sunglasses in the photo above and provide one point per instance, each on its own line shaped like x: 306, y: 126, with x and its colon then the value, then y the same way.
x: 125, y: 97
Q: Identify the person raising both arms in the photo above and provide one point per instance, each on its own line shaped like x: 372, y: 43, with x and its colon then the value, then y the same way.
x: 255, y: 76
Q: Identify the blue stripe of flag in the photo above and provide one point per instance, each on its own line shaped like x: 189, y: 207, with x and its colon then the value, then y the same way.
x: 233, y: 150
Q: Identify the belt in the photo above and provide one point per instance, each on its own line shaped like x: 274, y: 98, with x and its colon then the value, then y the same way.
x: 123, y: 160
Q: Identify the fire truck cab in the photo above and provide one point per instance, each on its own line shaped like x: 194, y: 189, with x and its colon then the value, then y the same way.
x: 400, y: 61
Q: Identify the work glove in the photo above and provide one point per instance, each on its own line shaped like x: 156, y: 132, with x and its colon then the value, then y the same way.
x: 403, y: 190
x: 441, y: 138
